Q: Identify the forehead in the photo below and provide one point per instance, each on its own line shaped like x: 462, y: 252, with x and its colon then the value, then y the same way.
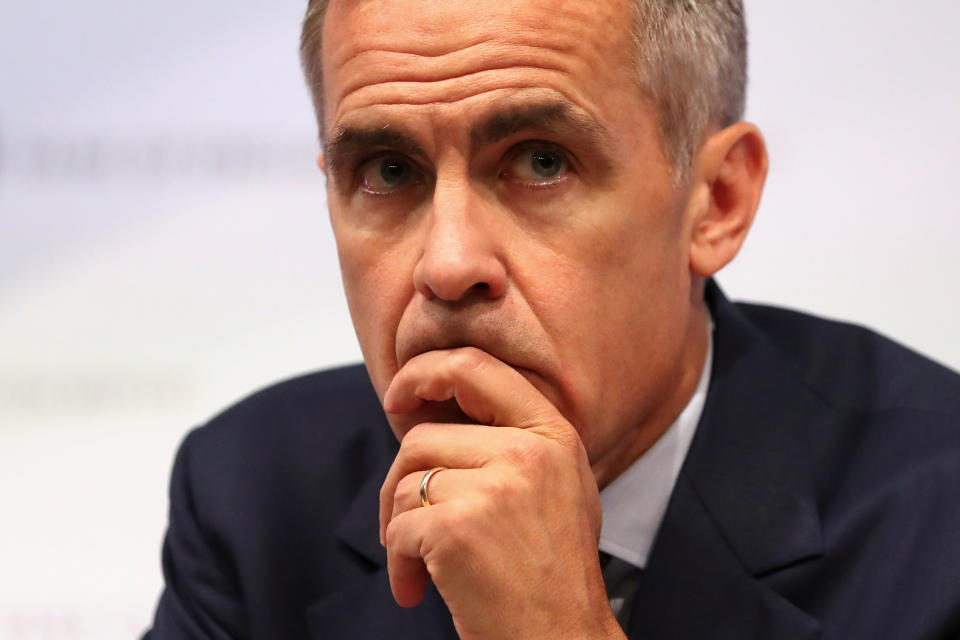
x: 431, y: 53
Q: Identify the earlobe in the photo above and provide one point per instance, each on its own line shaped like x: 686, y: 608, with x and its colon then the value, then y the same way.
x: 732, y: 168
x: 322, y: 163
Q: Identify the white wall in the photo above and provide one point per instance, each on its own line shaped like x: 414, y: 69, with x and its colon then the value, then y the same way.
x: 164, y: 247
x: 859, y: 102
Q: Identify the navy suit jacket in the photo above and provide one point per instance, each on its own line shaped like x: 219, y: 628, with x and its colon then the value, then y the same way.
x: 820, y: 499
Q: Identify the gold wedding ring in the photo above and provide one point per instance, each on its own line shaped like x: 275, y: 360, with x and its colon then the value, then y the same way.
x: 424, y: 497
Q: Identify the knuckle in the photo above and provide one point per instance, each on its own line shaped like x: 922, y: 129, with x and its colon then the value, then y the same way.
x: 467, y: 359
x: 456, y: 523
x: 562, y: 433
x: 406, y: 485
x: 501, y: 490
x: 414, y: 440
x: 404, y: 488
x: 568, y: 437
x: 528, y: 453
x: 540, y: 413
x: 513, y: 493
x: 392, y: 532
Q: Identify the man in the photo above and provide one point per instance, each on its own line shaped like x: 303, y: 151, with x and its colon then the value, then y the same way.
x: 529, y: 201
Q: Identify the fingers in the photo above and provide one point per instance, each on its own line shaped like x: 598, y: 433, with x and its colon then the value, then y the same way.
x: 410, y: 524
x: 480, y: 459
x: 457, y: 446
x: 443, y: 486
x: 486, y: 389
x: 407, y: 570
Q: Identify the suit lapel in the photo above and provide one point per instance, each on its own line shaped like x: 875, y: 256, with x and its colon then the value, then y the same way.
x: 744, y: 507
x: 695, y: 586
x: 365, y: 607
x: 359, y: 529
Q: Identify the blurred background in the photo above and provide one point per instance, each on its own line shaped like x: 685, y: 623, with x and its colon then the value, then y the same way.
x: 164, y: 247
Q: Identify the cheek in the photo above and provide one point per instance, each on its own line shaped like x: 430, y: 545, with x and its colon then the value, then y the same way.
x: 609, y: 293
x: 378, y: 283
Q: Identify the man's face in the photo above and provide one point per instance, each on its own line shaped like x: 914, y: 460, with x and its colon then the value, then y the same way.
x: 496, y: 179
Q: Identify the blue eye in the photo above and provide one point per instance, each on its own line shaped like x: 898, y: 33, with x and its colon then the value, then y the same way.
x: 538, y: 165
x: 386, y: 173
x: 545, y: 164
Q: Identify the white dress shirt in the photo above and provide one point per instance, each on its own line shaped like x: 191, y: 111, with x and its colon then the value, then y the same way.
x: 634, y: 503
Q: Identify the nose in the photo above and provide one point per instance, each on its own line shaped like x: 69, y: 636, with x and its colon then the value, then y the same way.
x: 460, y: 258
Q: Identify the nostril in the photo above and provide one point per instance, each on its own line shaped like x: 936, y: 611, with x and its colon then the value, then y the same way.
x: 481, y: 290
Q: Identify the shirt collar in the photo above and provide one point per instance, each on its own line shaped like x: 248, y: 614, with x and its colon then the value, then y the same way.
x: 634, y: 503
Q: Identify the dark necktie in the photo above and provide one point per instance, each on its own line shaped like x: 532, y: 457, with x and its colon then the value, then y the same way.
x: 621, y: 579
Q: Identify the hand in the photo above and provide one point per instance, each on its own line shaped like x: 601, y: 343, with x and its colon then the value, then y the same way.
x: 510, y: 537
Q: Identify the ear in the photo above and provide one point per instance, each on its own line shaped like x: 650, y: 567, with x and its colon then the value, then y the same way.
x: 322, y: 162
x: 729, y: 171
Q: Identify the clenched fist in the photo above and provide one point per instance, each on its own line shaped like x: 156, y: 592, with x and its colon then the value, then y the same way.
x: 510, y: 536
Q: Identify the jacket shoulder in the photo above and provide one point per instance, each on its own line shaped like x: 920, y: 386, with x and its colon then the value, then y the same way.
x: 298, y: 451
x: 873, y: 434
x: 255, y: 497
x: 327, y: 413
x: 855, y: 368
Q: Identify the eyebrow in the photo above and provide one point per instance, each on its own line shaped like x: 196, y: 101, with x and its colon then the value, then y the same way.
x: 349, y: 144
x: 556, y: 116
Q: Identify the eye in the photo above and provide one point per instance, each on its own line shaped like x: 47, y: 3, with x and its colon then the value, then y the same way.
x: 538, y: 164
x: 385, y: 174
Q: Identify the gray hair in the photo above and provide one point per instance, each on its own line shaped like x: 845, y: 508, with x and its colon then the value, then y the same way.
x: 691, y: 62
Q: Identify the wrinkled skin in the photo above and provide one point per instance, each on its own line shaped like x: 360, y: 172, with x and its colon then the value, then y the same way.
x: 525, y: 280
